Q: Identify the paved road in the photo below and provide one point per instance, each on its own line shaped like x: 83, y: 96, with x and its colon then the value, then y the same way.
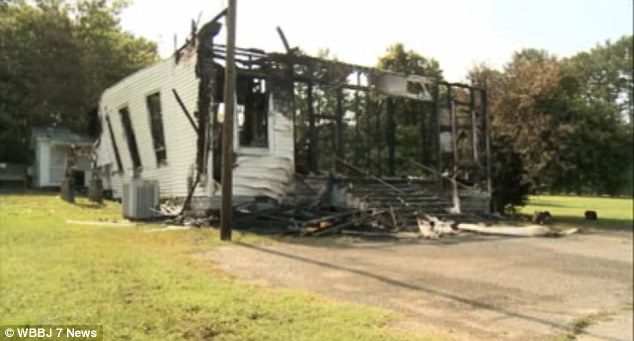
x: 466, y: 288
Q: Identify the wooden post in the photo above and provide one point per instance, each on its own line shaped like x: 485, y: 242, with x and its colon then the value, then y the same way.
x: 435, y: 121
x: 227, y: 130
x: 391, y: 138
x: 487, y: 139
x: 357, y: 143
x: 379, y: 140
x: 368, y: 134
x: 312, y: 131
x: 339, y: 147
x: 474, y: 130
x: 454, y: 146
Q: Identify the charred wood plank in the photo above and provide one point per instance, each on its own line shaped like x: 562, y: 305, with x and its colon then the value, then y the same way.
x: 185, y: 111
x: 336, y: 228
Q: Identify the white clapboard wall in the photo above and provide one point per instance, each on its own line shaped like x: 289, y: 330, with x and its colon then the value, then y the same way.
x: 259, y: 171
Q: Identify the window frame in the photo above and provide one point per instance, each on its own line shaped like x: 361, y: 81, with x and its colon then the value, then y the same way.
x: 160, y: 162
x: 130, y: 137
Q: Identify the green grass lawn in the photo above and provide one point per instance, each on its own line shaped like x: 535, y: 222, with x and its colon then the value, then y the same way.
x: 151, y: 286
x: 567, y: 211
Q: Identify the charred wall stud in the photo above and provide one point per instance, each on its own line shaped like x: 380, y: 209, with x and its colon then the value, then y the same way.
x: 339, y: 142
x: 205, y: 71
x: 391, y: 137
x: 312, y: 130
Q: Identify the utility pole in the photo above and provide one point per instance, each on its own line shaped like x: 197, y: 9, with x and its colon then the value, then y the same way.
x: 227, y: 129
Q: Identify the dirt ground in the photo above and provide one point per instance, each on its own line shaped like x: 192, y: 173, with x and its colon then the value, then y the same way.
x: 465, y: 288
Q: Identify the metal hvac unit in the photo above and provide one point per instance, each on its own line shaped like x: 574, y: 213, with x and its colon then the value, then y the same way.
x: 139, y: 198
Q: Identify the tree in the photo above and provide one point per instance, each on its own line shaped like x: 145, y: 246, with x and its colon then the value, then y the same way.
x: 564, y: 119
x: 111, y: 54
x: 41, y: 80
x: 602, y: 79
x: 55, y: 60
x: 605, y: 74
x: 536, y: 114
x: 510, y: 186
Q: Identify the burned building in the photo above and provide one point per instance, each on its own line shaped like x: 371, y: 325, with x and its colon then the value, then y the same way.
x: 301, y: 122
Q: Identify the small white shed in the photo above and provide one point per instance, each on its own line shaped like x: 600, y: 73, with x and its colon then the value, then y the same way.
x: 51, y: 145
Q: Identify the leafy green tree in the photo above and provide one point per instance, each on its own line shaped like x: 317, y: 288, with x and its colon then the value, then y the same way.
x: 566, y: 120
x: 55, y: 60
x: 602, y: 81
x: 535, y: 114
x: 41, y: 69
x: 605, y: 74
x: 111, y: 54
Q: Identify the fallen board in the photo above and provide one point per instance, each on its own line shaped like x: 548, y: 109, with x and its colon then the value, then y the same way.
x: 528, y: 231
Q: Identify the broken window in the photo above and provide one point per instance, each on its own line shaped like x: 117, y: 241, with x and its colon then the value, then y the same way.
x: 253, y: 119
x: 114, y: 146
x: 130, y: 137
x: 156, y: 123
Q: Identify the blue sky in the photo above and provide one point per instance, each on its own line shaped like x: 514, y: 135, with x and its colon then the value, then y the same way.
x: 458, y: 33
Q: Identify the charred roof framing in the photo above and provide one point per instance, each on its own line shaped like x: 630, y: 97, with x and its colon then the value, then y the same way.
x: 453, y: 122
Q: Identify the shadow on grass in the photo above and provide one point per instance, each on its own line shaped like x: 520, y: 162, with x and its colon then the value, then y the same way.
x: 601, y: 223
x: 545, y: 204
x: 91, y: 205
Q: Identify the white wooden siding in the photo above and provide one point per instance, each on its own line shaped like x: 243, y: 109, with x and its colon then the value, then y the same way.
x: 259, y: 171
x: 267, y: 172
x: 180, y: 138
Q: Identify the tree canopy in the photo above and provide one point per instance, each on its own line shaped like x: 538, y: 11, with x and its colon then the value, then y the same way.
x: 55, y: 60
x: 569, y: 120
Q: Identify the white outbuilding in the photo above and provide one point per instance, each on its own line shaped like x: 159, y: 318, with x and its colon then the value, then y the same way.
x: 51, y: 146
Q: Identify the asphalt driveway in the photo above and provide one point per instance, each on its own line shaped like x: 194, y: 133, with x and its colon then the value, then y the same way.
x: 465, y: 288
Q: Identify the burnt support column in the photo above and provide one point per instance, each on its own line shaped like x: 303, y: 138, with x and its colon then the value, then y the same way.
x: 312, y: 131
x: 474, y: 128
x: 205, y: 72
x: 454, y: 146
x: 339, y: 152
x: 368, y: 129
x: 435, y: 119
x: 487, y: 140
x: 423, y: 133
x: 391, y: 138
x: 379, y: 142
x: 357, y: 145
x: 454, y: 135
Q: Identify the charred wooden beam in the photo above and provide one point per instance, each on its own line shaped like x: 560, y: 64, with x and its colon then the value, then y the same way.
x: 423, y: 134
x: 391, y: 137
x: 368, y: 128
x: 378, y: 135
x: 474, y: 125
x: 435, y: 121
x: 185, y: 111
x: 205, y: 68
x: 357, y: 114
x: 487, y: 137
x: 283, y: 37
x: 114, y: 145
x: 459, y: 85
x: 340, y: 152
x: 312, y: 131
